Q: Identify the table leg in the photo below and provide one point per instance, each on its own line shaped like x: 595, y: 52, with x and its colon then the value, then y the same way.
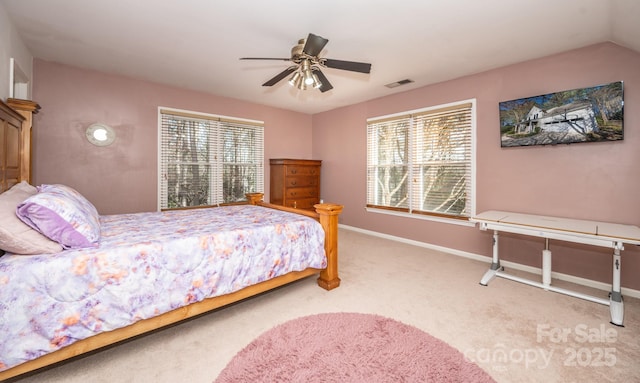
x: 616, y: 305
x: 495, y: 263
x: 546, y: 264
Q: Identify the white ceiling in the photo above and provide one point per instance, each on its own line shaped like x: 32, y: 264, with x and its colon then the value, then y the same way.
x: 196, y: 44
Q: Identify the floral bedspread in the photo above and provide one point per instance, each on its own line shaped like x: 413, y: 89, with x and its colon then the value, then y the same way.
x: 146, y: 264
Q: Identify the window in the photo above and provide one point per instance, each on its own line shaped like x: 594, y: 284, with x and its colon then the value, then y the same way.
x: 421, y: 162
x: 207, y: 159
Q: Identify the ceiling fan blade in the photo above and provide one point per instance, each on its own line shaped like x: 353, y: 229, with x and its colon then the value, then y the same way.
x: 347, y: 65
x: 265, y: 58
x: 314, y: 45
x: 326, y: 85
x: 280, y: 76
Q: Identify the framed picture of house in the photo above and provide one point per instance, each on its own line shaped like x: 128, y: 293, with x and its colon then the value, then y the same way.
x: 592, y: 114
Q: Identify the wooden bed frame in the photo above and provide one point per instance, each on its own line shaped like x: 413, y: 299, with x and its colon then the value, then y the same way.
x: 15, y: 136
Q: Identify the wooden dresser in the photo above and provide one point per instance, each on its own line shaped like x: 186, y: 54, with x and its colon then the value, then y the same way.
x: 295, y: 183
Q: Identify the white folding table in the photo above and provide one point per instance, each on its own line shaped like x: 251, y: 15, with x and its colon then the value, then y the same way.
x: 594, y: 233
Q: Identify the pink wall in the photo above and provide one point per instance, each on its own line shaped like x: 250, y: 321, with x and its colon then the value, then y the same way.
x: 597, y: 181
x: 123, y: 177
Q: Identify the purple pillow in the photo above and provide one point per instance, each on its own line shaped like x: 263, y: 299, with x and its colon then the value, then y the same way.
x: 61, y: 217
x: 71, y: 193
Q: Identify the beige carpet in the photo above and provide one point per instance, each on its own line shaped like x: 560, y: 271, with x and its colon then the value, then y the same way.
x: 515, y: 332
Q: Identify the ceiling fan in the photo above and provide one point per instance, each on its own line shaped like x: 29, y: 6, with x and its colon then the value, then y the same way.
x: 306, y: 71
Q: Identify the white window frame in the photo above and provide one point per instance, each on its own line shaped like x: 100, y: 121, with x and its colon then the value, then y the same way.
x: 472, y: 200
x: 217, y: 166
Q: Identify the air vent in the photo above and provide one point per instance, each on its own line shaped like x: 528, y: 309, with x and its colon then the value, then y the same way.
x: 398, y: 83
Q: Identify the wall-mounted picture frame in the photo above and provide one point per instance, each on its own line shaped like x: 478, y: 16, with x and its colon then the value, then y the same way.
x: 593, y: 114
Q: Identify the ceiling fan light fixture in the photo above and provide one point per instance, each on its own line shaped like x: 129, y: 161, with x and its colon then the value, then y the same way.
x: 304, y: 77
x: 302, y: 85
x: 306, y: 72
x: 308, y: 79
x: 295, y: 78
x: 316, y: 81
x: 298, y: 80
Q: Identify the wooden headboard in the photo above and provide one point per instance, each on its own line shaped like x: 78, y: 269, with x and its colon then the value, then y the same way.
x: 16, y: 120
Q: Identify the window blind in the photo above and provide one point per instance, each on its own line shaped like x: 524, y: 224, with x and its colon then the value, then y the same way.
x: 208, y: 160
x: 421, y: 163
x: 388, y: 163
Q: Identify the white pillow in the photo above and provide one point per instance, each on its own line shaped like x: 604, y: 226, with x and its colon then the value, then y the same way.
x: 15, y: 236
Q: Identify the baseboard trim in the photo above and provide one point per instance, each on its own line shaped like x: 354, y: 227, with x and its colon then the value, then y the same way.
x: 482, y: 258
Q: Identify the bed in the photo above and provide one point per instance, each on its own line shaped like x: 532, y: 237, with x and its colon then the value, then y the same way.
x: 139, y: 272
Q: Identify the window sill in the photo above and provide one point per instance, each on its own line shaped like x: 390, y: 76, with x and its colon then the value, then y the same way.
x: 452, y: 221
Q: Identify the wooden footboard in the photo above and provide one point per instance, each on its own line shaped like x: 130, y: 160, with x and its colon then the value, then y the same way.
x: 326, y: 214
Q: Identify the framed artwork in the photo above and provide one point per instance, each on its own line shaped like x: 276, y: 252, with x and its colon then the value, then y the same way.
x: 592, y: 114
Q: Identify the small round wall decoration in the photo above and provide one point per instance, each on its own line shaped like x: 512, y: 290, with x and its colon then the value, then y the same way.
x: 100, y: 134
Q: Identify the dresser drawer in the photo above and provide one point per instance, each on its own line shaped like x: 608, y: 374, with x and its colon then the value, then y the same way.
x: 302, y: 203
x: 303, y: 171
x: 308, y: 192
x: 301, y: 181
